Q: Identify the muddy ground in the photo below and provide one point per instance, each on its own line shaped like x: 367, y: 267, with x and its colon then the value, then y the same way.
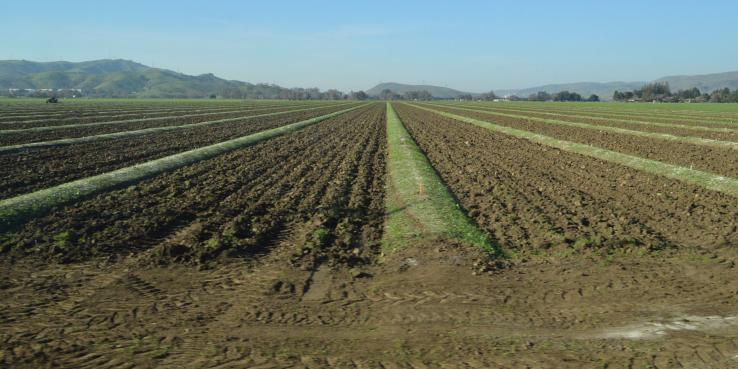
x: 428, y: 307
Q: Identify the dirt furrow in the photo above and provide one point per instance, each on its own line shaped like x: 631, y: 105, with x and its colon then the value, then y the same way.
x: 268, y: 257
x: 246, y: 223
x: 603, y: 121
x: 604, y: 204
x: 674, y: 116
x: 25, y: 137
x: 710, y: 159
x: 100, y: 116
x: 18, y: 115
x: 45, y: 167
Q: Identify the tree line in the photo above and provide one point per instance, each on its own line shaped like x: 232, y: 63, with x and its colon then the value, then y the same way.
x: 251, y: 92
x: 422, y: 95
x: 661, y: 92
x: 561, y: 96
x: 656, y: 91
x: 264, y: 91
x: 388, y: 94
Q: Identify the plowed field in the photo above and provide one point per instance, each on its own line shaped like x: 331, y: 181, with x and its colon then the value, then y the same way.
x: 272, y: 254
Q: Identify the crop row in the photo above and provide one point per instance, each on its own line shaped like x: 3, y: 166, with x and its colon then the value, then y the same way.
x: 72, y: 116
x: 330, y: 196
x: 44, y: 167
x: 531, y: 185
x: 667, y: 135
x: 12, y: 111
x: 55, y: 124
x: 619, y: 110
x: 57, y: 133
x: 715, y: 159
x: 531, y: 197
x: 20, y: 208
x: 727, y: 133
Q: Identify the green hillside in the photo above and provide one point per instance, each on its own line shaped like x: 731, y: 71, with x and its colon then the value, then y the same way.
x: 123, y: 78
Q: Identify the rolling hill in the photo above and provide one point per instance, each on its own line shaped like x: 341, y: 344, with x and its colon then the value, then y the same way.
x: 399, y: 88
x: 602, y: 89
x: 122, y: 78
x: 705, y: 82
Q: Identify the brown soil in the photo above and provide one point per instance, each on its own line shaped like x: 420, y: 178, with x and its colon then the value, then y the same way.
x: 529, y: 197
x: 18, y: 119
x: 297, y: 281
x: 636, y: 127
x: 40, y: 168
x: 91, y: 114
x: 708, y: 158
x: 699, y: 119
x: 423, y: 308
x: 233, y: 203
x: 166, y: 121
x: 12, y: 114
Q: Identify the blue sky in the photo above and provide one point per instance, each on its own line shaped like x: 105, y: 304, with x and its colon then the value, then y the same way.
x: 468, y: 45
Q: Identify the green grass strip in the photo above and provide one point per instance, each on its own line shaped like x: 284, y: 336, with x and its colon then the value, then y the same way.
x: 20, y: 208
x: 138, y: 132
x: 658, y: 136
x: 616, y: 120
x: 412, y: 216
x: 706, y: 180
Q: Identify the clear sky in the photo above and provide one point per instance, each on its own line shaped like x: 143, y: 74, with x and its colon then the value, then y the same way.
x: 468, y: 45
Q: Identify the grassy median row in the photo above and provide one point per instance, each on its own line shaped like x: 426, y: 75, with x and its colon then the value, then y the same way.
x: 418, y: 204
x: 659, y: 136
x: 17, y: 209
x: 703, y: 179
x: 139, y: 132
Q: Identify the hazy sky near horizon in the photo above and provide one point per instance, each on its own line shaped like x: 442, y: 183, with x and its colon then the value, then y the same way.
x: 468, y: 45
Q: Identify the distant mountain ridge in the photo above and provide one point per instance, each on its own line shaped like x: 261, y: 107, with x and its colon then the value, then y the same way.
x: 705, y: 82
x: 122, y: 78
x: 602, y: 89
x: 399, y: 88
